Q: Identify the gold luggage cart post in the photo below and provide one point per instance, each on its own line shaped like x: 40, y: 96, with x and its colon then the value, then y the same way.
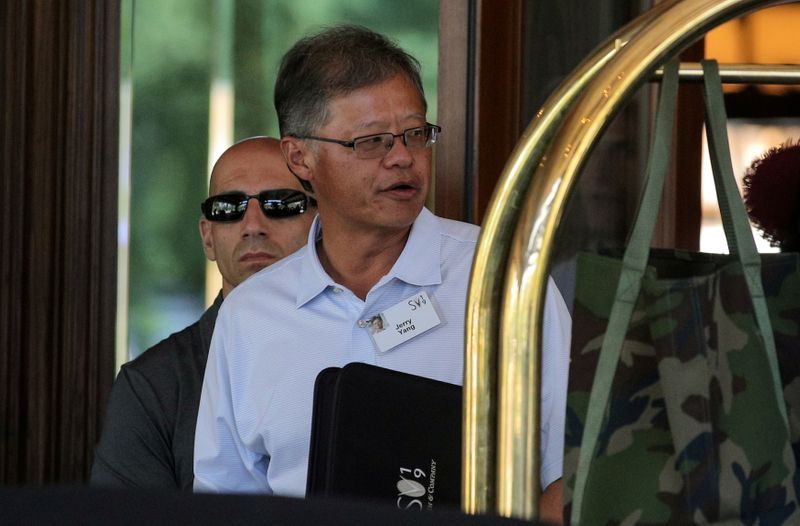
x: 509, y: 276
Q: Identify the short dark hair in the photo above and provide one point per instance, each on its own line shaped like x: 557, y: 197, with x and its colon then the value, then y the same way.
x: 335, y: 61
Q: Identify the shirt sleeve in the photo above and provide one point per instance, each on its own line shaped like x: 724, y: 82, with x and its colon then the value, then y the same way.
x: 222, y: 461
x: 556, y: 339
x: 133, y: 451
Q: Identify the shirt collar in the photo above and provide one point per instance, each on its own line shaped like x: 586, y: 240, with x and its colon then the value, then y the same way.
x: 418, y: 264
x: 313, y: 278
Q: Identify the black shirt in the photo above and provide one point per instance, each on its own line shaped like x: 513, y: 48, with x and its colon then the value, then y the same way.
x: 148, y: 436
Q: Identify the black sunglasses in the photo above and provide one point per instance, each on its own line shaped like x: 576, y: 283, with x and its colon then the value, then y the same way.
x: 275, y: 204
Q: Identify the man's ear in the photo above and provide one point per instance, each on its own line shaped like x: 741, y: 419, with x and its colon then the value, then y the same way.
x: 208, y: 240
x: 299, y: 160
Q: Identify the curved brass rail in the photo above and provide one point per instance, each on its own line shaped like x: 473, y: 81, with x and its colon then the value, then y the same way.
x: 555, y: 145
x: 483, y: 310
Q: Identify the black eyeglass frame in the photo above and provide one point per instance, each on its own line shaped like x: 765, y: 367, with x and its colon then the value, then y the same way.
x: 433, y: 135
x: 277, y: 203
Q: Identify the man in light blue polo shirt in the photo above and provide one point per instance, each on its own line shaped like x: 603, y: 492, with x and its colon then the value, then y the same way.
x: 353, y: 122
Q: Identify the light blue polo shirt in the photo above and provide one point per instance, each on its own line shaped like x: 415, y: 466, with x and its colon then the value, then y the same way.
x: 276, y: 331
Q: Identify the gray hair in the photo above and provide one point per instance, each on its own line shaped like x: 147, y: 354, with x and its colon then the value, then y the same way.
x: 333, y: 62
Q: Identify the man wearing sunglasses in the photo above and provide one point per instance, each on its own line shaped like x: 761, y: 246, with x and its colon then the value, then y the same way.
x: 353, y: 122
x: 256, y: 215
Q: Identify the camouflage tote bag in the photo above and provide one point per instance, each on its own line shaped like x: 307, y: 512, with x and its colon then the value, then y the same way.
x: 683, y: 366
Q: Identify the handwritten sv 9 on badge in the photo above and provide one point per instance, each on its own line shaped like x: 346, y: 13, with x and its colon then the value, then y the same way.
x: 405, y: 320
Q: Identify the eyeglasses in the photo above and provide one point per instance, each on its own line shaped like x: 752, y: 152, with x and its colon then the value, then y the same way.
x: 275, y: 204
x: 379, y: 144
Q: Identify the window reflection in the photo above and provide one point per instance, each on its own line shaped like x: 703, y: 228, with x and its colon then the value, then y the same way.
x: 202, y: 78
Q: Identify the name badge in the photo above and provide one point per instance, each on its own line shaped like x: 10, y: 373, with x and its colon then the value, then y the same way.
x: 399, y: 323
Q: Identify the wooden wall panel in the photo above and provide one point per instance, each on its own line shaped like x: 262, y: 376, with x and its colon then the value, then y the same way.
x: 479, y: 102
x: 59, y: 98
x: 498, y: 90
x: 454, y: 169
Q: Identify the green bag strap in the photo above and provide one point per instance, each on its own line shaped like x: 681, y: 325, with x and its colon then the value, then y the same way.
x: 734, y: 218
x: 630, y: 281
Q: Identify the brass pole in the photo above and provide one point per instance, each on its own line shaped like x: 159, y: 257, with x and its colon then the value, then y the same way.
x: 483, y: 306
x: 658, y: 40
x: 741, y: 73
x: 556, y: 155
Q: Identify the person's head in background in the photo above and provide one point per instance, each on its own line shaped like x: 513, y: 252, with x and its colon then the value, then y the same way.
x: 352, y: 86
x: 772, y: 195
x: 257, y: 212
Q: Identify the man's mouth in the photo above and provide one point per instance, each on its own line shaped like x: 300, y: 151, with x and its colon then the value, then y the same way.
x: 403, y: 189
x: 257, y: 257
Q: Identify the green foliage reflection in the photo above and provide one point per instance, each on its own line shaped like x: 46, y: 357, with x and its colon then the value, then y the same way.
x: 172, y: 53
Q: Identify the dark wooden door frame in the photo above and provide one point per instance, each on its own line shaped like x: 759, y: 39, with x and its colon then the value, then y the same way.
x: 480, y: 106
x: 480, y: 49
x: 59, y: 131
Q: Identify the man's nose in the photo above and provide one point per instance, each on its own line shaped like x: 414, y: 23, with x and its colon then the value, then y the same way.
x: 398, y: 154
x: 254, y: 221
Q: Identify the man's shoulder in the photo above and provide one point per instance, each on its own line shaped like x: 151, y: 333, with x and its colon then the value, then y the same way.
x: 451, y: 242
x: 448, y: 228
x: 459, y: 230
x: 185, y: 346
x: 457, y: 239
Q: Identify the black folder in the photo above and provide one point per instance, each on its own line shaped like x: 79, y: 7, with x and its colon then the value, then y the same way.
x: 383, y: 435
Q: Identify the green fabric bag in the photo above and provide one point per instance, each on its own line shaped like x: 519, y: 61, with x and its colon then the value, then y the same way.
x: 683, y: 366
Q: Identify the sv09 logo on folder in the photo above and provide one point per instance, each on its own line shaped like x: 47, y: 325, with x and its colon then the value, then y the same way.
x: 416, y: 492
